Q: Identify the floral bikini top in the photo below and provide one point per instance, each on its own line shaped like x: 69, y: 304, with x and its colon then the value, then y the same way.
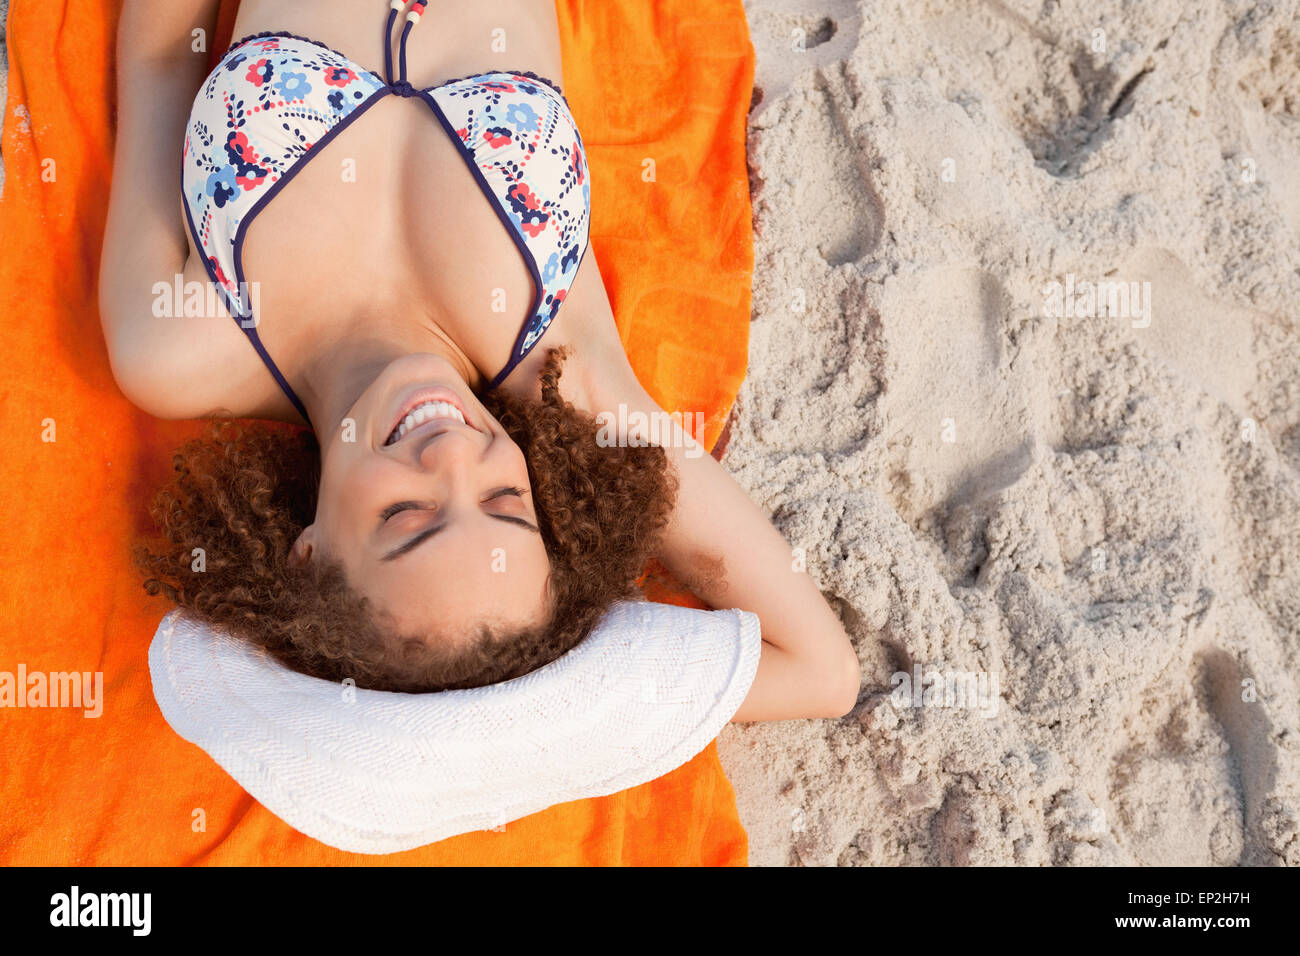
x: 275, y: 100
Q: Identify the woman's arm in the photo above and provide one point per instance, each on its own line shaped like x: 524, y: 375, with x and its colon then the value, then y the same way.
x: 145, y: 239
x: 726, y: 550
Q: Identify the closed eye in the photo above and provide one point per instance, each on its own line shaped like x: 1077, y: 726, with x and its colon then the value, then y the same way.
x: 428, y: 533
x: 401, y: 506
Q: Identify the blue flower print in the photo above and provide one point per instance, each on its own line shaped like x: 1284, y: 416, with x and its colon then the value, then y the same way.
x: 551, y: 268
x: 570, y: 260
x: 336, y: 100
x: 221, y: 186
x: 521, y: 116
x: 539, y: 324
x: 293, y: 86
x: 234, y: 62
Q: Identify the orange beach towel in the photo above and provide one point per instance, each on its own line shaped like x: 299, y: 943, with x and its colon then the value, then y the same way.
x: 660, y: 87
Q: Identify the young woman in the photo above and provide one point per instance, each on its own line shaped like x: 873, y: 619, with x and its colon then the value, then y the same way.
x: 394, y: 217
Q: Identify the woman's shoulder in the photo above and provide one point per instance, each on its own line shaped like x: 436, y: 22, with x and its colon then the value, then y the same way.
x: 181, y: 355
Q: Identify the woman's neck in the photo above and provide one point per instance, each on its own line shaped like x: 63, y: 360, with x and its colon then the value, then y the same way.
x: 337, y: 368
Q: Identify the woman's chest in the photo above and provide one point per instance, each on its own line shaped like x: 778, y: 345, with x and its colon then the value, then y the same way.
x: 390, y: 218
x: 331, y: 192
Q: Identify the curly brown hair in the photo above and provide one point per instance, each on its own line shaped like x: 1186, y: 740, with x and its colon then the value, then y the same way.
x: 244, y: 495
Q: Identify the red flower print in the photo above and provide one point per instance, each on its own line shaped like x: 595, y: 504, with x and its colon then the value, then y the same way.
x: 239, y: 149
x: 498, y: 85
x: 339, y: 76
x: 532, y: 217
x: 497, y: 136
x: 463, y: 133
x: 260, y: 72
x: 523, y: 197
x: 221, y: 276
x: 250, y: 177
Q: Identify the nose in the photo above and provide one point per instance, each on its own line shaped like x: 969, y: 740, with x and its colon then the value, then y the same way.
x: 452, y: 450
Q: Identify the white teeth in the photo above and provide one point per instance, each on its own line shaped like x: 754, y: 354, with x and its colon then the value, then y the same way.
x: 424, y: 412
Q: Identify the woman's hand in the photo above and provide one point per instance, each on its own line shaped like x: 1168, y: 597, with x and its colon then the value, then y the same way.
x: 725, y: 549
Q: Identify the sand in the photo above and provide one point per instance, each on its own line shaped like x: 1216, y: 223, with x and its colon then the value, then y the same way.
x: 1093, y: 509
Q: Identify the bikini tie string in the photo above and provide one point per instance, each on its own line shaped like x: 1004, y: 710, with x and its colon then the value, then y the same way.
x: 400, y: 87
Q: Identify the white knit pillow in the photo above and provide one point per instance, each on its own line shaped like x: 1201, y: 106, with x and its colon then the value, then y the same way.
x: 379, y: 772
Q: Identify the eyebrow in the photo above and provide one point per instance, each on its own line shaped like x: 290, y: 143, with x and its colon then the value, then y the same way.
x: 425, y: 535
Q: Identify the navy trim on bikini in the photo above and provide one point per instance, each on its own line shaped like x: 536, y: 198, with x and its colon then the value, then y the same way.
x: 388, y: 50
x: 267, y: 34
x: 236, y: 310
x: 474, y: 76
x: 515, y: 356
x: 529, y: 259
x: 274, y: 190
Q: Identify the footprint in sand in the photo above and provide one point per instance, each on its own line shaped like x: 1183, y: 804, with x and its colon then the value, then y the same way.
x: 1269, y: 106
x: 1242, y: 720
x: 1200, y: 789
x: 835, y: 204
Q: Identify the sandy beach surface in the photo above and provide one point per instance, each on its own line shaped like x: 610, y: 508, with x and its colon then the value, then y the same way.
x: 1024, y: 385
x: 1024, y: 395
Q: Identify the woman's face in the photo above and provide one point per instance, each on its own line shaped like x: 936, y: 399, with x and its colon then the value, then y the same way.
x: 430, y: 515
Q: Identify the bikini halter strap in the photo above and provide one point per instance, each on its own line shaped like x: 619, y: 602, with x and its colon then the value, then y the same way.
x: 401, y: 86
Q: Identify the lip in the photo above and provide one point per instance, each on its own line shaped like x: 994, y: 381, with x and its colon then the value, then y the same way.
x: 436, y: 393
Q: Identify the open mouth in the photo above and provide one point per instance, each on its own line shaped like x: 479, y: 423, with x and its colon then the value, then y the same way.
x: 429, y: 405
